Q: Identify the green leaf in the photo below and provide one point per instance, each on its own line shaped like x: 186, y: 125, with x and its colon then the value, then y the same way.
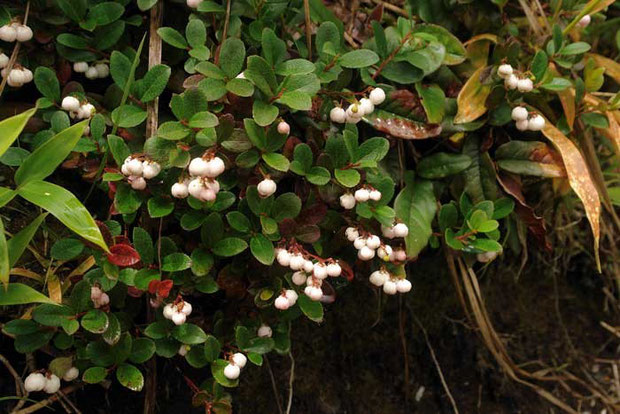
x: 94, y: 375
x: 189, y: 334
x: 212, y: 348
x: 264, y: 113
x: 128, y: 116
x: 95, y: 321
x: 172, y: 37
x: 575, y: 49
x: 455, y: 51
x: 276, y: 161
x: 44, y: 160
x: 154, y: 82
x: 196, y: 33
x: 232, y: 55
x: 416, y: 206
x: 105, y: 13
x: 318, y: 175
x: 359, y: 58
x: 47, y: 83
x: 262, y: 248
x: 10, y: 128
x: 118, y: 147
x: 240, y: 87
x: 557, y: 84
x: 65, y: 207
x: 18, y: 243
x: 143, y: 244
x: 20, y: 294
x: 298, y: 100
x: 273, y: 48
x: 120, y: 68
x: 261, y: 75
x: 312, y: 309
x: 442, y: 164
x: 66, y: 249
x: 173, y: 131
x: 349, y: 178
x: 433, y: 101
x: 287, y: 205
x: 202, y: 262
x: 175, y: 262
x: 229, y: 247
x: 539, y: 65
x: 217, y: 370
x: 239, y: 221
x: 130, y: 377
x: 160, y: 207
x: 294, y: 67
x: 142, y: 349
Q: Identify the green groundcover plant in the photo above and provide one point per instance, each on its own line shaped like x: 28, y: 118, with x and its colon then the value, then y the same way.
x: 236, y: 165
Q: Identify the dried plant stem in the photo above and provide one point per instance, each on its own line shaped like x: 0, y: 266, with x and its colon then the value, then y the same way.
x: 155, y: 45
x: 308, y: 28
x: 273, y: 385
x: 291, y: 380
x: 42, y: 404
x: 20, y: 390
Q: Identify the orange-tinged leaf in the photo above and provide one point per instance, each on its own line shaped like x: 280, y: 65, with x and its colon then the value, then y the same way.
x: 579, y: 179
x: 567, y: 99
x: 612, y: 68
x: 478, y: 48
x: 53, y: 288
x: 472, y: 98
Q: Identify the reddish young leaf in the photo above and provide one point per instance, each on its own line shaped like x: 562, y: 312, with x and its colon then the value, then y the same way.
x: 123, y: 255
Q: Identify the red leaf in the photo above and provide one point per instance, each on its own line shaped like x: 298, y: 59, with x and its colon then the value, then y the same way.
x: 105, y: 232
x: 123, y: 255
x: 163, y: 289
x: 153, y: 285
x: 134, y: 292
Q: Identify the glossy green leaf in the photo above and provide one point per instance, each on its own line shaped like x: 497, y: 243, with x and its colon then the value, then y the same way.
x: 20, y: 294
x: 10, y: 128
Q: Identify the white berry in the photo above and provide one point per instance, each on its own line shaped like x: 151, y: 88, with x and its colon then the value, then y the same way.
x: 389, y: 287
x: 347, y: 201
x: 313, y: 292
x: 299, y: 278
x: 338, y: 115
x: 17, y: 76
x: 103, y: 70
x: 387, y: 231
x: 216, y: 167
x: 584, y: 21
x: 137, y: 183
x: 150, y: 169
x: 183, y: 350
x: 27, y: 74
x: 71, y: 374
x: 35, y: 382
x: 362, y: 195
x: 264, y: 331
x: 291, y: 296
x: 352, y: 119
x: 187, y: 308
x: 523, y: 125
x: 70, y: 103
x: 283, y: 257
x: 334, y: 270
x: 193, y: 3
x: 373, y: 242
x: 320, y: 271
x: 354, y: 111
x: 511, y: 82
x: 179, y: 190
x: 239, y: 359
x: 284, y: 128
x: 536, y: 123
x: 374, y: 195
x: 91, y: 73
x: 232, y: 371
x: 378, y: 277
x: 359, y: 242
x: 504, y: 71
x: 179, y: 318
x: 4, y: 60
x: 95, y: 293
x: 525, y: 85
x: 403, y: 286
x: 384, y: 252
x: 195, y: 187
x: 198, y: 167
x: 486, y: 257
x: 366, y: 106
x: 266, y: 187
x: 80, y: 67
x: 351, y: 233
x: 297, y: 262
x: 308, y: 266
x: 377, y: 96
x: 23, y: 33
x: 366, y: 253
x: 519, y: 113
x: 281, y: 303
x: 401, y: 230
x: 8, y: 33
x: 52, y: 384
x: 169, y: 311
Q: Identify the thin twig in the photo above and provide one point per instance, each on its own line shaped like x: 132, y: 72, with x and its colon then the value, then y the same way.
x: 291, y: 379
x: 273, y: 384
x: 403, y: 341
x: 392, y: 7
x: 308, y: 28
x: 226, y: 21
x: 20, y: 390
x: 155, y: 45
x: 441, y: 377
x: 48, y: 401
x: 392, y: 55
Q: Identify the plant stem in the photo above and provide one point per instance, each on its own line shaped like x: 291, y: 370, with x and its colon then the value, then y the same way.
x: 308, y: 28
x: 392, y: 55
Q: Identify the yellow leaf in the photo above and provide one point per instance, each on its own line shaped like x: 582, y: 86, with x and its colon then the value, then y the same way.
x: 579, y: 179
x: 567, y: 99
x: 472, y: 98
x: 612, y: 68
x: 53, y: 288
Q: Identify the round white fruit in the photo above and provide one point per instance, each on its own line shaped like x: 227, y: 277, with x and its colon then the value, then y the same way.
x: 71, y: 374
x: 52, y: 384
x: 266, y: 187
x: 334, y: 270
x: 525, y: 85
x: 283, y: 257
x: 299, y: 278
x: 389, y: 287
x: 366, y: 253
x: 187, y: 308
x: 367, y: 106
x: 80, y: 67
x: 284, y: 128
x: 264, y: 331
x: 150, y: 169
x: 198, y: 167
x: 504, y: 70
x: 347, y: 201
x: 511, y: 82
x: 35, y: 382
x: 387, y: 231
x: 354, y: 111
x: 362, y: 195
x: 351, y: 233
x: 232, y: 371
x: 91, y: 73
x: 522, y: 125
x: 16, y: 76
x: 179, y: 318
x: 4, y: 60
x: 169, y: 311
x: 297, y: 262
x: 584, y: 21
x: 137, y: 183
x: 519, y: 113
x: 359, y: 242
x: 291, y: 296
x: 401, y: 230
x: 378, y: 277
x: 536, y: 123
x: 313, y: 292
x: 27, y: 74
x: 103, y: 70
x: 373, y: 242
x: 195, y: 187
x: 23, y: 33
x: 308, y: 266
x: 8, y: 33
x: 281, y: 303
x: 338, y: 115
x: 319, y: 271
x: 239, y: 359
x: 377, y: 96
x: 216, y: 167
x: 70, y: 103
x: 403, y: 285
x: 374, y: 195
x: 384, y: 252
x: 179, y: 190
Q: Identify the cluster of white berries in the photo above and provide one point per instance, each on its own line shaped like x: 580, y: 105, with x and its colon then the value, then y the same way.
x: 49, y: 383
x: 77, y: 109
x: 511, y: 80
x: 391, y: 285
x: 306, y: 272
x: 524, y: 122
x: 354, y: 113
x: 177, y: 312
x: 97, y: 71
x: 193, y: 3
x: 287, y: 299
x: 369, y: 245
x: 348, y: 200
x: 203, y: 184
x: 235, y: 364
x: 137, y: 171
x: 15, y: 31
x: 266, y: 187
x: 99, y: 297
x: 18, y: 76
x: 584, y: 21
